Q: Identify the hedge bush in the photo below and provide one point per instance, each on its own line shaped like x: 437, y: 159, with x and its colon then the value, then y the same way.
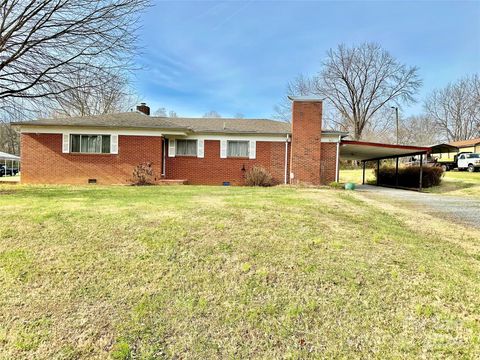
x: 258, y: 176
x: 410, y: 176
x: 143, y: 174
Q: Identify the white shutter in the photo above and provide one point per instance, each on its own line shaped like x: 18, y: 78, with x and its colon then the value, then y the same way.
x: 252, y: 150
x: 66, y: 143
x: 171, y: 147
x: 223, y: 149
x: 200, y: 148
x: 113, y: 144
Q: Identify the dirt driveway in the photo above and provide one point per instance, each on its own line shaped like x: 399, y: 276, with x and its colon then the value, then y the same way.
x: 458, y: 209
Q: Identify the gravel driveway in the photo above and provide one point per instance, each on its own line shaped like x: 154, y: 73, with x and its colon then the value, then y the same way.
x: 459, y: 209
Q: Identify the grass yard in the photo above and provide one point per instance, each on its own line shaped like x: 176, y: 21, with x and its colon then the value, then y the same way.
x: 212, y: 272
x: 459, y: 183
x: 355, y: 175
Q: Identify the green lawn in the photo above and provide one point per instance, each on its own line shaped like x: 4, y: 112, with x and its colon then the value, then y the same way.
x: 212, y: 272
x: 356, y: 175
x: 459, y: 183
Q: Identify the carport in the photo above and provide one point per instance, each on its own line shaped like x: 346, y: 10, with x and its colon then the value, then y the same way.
x: 375, y: 152
x: 11, y: 159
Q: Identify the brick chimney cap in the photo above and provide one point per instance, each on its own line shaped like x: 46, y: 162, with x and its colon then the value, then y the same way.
x: 306, y: 98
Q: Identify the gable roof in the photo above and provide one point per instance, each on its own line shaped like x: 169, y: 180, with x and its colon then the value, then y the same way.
x: 120, y: 120
x: 138, y: 120
x: 229, y: 125
x: 465, y: 143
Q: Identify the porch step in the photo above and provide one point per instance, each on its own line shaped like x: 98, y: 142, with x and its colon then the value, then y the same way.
x: 172, y: 182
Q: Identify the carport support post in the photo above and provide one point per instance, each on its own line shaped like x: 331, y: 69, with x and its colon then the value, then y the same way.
x: 396, y: 172
x: 421, y: 173
x: 363, y: 178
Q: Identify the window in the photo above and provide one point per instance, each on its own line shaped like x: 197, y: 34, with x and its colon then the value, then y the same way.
x: 186, y: 148
x: 474, y: 156
x: 237, y: 148
x: 90, y: 144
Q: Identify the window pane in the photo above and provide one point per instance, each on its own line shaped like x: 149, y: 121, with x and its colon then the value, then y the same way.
x: 237, y: 148
x: 106, y: 144
x: 84, y: 143
x: 186, y: 147
x: 181, y: 147
x: 191, y: 147
x: 75, y: 143
x: 93, y: 144
x: 97, y: 144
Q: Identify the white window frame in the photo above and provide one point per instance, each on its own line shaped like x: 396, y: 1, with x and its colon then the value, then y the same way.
x: 238, y: 141
x: 88, y: 152
x: 188, y: 155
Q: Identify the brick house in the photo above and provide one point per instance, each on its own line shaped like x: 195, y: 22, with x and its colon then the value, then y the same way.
x: 104, y: 149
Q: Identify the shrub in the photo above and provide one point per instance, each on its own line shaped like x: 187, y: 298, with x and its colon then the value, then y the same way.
x: 143, y: 174
x: 258, y: 176
x: 336, y: 185
x: 410, y: 176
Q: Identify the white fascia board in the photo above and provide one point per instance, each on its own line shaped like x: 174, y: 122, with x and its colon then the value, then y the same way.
x: 97, y: 131
x: 330, y: 138
x: 239, y: 137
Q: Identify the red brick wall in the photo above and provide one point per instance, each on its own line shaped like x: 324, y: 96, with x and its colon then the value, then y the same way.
x: 213, y: 170
x: 306, y: 145
x: 43, y: 162
x: 328, y: 164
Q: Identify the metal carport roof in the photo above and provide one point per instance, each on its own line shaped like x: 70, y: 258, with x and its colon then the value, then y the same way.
x: 365, y: 151
x: 443, y: 148
x: 4, y: 156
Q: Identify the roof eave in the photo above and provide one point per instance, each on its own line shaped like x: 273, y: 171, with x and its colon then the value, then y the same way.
x: 240, y: 132
x: 99, y: 126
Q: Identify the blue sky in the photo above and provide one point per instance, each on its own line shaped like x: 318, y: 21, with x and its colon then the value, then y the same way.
x: 237, y: 56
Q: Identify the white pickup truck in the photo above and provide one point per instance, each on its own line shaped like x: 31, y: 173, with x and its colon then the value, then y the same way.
x: 470, y: 162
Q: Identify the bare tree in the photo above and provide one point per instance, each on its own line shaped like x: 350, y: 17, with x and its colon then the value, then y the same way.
x: 456, y: 109
x: 163, y: 113
x: 44, y: 43
x: 419, y: 130
x: 9, y: 138
x: 109, y: 96
x: 300, y: 86
x: 359, y: 81
x: 212, y: 114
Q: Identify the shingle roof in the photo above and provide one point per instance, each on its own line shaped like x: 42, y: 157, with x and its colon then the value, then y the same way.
x: 202, y: 125
x: 120, y: 120
x: 227, y: 125
x: 139, y: 120
x: 464, y: 143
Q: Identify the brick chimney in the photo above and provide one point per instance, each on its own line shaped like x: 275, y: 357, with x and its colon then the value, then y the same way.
x: 306, y: 140
x: 143, y: 108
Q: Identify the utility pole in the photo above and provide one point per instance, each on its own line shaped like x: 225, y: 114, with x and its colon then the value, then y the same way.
x: 396, y: 118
